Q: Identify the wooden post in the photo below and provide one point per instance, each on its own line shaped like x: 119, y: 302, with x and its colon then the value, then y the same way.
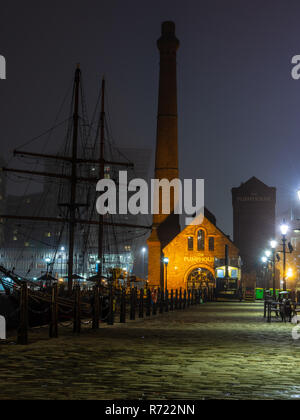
x: 53, y: 326
x: 132, y: 304
x: 176, y: 299
x: 189, y: 298
x: 161, y: 302
x: 184, y: 299
x: 23, y: 323
x: 141, y: 304
x: 148, y: 307
x: 110, y: 317
x: 77, y: 320
x: 269, y: 310
x: 96, y: 308
x: 180, y: 299
x: 123, y: 306
x: 166, y: 300
x: 154, y: 307
x: 172, y: 301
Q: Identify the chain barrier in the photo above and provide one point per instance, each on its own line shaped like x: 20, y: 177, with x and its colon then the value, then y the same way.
x: 35, y: 311
x: 65, y: 312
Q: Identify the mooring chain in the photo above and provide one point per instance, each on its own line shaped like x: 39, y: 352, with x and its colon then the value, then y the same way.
x: 35, y: 311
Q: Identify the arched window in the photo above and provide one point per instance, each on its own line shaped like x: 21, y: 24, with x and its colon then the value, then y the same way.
x: 200, y: 240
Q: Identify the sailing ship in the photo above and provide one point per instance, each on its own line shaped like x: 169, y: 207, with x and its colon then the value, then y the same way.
x: 83, y: 246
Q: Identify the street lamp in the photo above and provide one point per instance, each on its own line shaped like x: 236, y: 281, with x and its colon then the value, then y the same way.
x: 273, y: 246
x: 166, y: 262
x: 284, y: 228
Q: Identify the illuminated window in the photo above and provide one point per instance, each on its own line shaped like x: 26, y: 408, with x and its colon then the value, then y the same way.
x: 48, y: 234
x: 190, y: 243
x: 211, y: 243
x: 200, y: 240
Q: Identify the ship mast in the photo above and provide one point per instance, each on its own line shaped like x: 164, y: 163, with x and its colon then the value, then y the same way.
x: 74, y: 178
x: 101, y: 176
x: 72, y: 204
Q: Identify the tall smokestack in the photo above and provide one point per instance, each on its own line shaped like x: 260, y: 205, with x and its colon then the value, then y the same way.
x: 165, y: 227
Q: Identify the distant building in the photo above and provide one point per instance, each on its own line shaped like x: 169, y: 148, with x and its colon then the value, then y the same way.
x: 253, y: 221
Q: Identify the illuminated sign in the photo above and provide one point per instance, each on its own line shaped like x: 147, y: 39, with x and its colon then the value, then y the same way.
x: 199, y: 259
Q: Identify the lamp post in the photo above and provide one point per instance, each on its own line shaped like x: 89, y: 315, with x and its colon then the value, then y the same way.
x: 284, y: 228
x: 143, y: 251
x: 266, y: 260
x: 273, y: 246
x: 166, y: 262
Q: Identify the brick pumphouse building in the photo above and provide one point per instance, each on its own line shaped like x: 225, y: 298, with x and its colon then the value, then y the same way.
x: 195, y: 252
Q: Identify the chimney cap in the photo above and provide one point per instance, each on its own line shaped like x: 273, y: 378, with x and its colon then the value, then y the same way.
x: 168, y: 28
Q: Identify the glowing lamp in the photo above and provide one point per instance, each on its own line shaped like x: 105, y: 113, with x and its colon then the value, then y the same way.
x: 284, y: 228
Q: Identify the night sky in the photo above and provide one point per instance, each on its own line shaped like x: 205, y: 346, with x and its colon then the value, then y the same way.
x: 239, y: 108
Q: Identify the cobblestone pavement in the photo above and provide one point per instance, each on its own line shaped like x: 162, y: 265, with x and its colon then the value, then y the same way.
x: 216, y: 350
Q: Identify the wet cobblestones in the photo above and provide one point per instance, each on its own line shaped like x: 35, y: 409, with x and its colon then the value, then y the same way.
x: 216, y: 350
